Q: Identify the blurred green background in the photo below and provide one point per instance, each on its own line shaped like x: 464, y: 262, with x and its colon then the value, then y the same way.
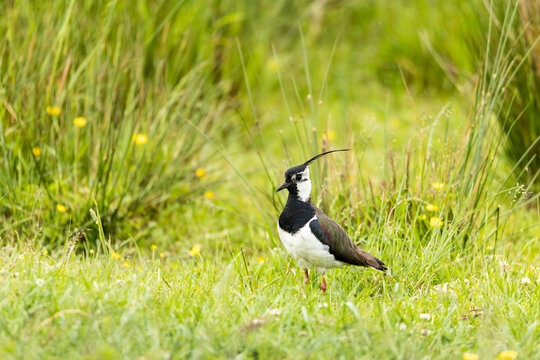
x: 239, y: 89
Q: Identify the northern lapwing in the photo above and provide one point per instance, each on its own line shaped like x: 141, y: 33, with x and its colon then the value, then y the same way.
x: 311, y: 237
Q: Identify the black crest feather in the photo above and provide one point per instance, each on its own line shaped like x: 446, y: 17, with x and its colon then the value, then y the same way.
x: 324, y: 153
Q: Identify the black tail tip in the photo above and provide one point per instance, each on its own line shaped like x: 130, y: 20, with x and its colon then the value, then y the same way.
x: 382, y: 267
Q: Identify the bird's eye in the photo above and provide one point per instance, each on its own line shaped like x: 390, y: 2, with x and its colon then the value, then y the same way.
x: 298, y: 176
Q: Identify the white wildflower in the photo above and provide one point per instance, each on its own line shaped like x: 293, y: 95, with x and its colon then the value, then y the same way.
x: 275, y: 312
x: 322, y: 305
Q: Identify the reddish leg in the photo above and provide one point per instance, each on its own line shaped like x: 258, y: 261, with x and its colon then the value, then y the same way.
x: 306, y: 277
x: 323, y: 285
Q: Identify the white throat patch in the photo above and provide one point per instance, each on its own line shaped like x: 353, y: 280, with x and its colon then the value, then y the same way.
x: 304, y: 186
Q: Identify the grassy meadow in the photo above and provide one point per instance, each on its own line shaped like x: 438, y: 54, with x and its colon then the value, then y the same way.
x: 141, y: 144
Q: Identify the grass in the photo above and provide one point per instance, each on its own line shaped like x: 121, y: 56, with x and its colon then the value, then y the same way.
x: 224, y: 303
x: 524, y: 131
x: 228, y: 95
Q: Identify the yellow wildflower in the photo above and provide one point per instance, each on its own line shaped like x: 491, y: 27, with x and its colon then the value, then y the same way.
x: 125, y: 264
x: 431, y: 207
x: 45, y: 252
x: 195, y: 250
x: 272, y: 64
x: 61, y: 208
x: 435, y: 221
x: 91, y: 251
x: 438, y: 185
x: 200, y: 172
x: 209, y: 195
x: 115, y: 255
x: 162, y: 255
x: 508, y: 354
x: 53, y: 110
x: 423, y: 217
x: 36, y: 151
x: 140, y: 139
x: 79, y: 121
x: 153, y: 247
x: 260, y: 259
x: 330, y: 135
x: 470, y: 356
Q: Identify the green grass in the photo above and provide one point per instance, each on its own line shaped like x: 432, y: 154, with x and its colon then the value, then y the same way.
x: 224, y: 303
x: 244, y: 91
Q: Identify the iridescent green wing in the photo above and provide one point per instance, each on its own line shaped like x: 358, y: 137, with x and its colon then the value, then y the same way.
x: 340, y: 244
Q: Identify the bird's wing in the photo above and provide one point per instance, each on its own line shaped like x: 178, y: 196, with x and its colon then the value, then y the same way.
x: 341, y: 246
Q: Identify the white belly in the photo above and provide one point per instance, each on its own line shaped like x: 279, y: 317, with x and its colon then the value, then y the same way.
x: 307, y: 250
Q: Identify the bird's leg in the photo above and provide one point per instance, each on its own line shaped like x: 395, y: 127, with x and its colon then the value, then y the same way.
x: 323, y: 285
x: 306, y: 277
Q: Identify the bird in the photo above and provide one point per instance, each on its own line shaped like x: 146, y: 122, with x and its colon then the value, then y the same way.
x: 312, y: 238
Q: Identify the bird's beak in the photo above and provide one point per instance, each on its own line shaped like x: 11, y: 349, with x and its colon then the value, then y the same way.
x: 283, y: 186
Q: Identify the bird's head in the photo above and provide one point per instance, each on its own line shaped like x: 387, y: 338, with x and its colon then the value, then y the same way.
x: 297, y: 178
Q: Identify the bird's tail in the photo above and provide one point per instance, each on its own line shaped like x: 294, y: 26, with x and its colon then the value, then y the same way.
x: 372, y: 262
x: 380, y: 265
